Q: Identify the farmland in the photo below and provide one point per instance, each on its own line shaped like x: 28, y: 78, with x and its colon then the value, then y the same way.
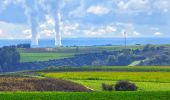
x: 30, y: 57
x: 39, y: 84
x: 146, y: 81
x: 114, y: 76
x: 45, y: 54
x: 152, y: 84
x: 85, y: 96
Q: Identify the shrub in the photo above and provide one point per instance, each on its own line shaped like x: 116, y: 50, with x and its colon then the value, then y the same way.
x: 107, y: 87
x: 125, y: 86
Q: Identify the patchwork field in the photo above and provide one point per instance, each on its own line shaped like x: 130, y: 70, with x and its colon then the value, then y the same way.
x: 146, y: 81
x: 153, y: 83
x: 45, y: 54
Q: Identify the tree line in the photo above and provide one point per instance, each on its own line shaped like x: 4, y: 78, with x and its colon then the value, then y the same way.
x: 9, y: 56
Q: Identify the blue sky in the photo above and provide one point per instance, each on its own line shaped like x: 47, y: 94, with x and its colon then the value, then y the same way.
x: 87, y: 18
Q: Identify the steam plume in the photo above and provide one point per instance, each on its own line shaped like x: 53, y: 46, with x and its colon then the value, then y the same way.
x: 57, y: 29
x: 53, y: 8
x: 31, y: 11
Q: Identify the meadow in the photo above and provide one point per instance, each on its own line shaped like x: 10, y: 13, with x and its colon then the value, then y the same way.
x: 109, y: 68
x: 85, y: 95
x: 113, y: 76
x: 153, y: 83
x: 146, y: 78
x: 31, y: 57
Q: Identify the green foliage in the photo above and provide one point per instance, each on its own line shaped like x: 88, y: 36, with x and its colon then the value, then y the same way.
x: 9, y: 57
x: 149, y: 47
x: 125, y: 86
x: 107, y: 87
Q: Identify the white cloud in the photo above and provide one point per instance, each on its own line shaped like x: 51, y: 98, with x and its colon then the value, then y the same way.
x: 154, y: 28
x: 136, y: 33
x: 79, y: 11
x: 68, y: 29
x: 27, y: 33
x: 1, y: 32
x: 13, y: 31
x: 50, y: 21
x: 101, y: 31
x: 98, y: 10
x: 46, y: 33
x: 133, y: 6
x: 157, y: 33
x: 162, y: 5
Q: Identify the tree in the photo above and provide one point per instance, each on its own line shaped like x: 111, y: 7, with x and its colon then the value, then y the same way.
x: 125, y: 86
x: 9, y: 56
x: 149, y: 47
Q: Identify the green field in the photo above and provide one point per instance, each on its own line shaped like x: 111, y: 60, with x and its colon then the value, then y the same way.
x: 146, y: 81
x: 85, y: 96
x: 31, y: 57
x: 45, y: 54
x: 153, y: 83
x: 142, y: 86
x: 113, y: 76
x: 109, y: 68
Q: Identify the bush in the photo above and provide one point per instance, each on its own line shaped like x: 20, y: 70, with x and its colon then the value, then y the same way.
x: 125, y: 86
x: 107, y: 87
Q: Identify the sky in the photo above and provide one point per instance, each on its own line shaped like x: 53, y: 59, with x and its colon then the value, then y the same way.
x: 86, y: 18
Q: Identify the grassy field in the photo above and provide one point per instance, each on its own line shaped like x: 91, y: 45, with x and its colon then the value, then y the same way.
x: 153, y: 84
x: 109, y: 68
x: 146, y: 81
x: 113, y: 76
x: 30, y: 57
x: 142, y: 86
x: 85, y: 96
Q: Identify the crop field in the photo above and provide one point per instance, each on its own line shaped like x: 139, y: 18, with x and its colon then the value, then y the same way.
x: 39, y: 84
x: 85, y: 96
x: 153, y: 83
x: 45, y: 54
x: 146, y: 81
x: 109, y: 68
x: 31, y: 57
x: 113, y: 76
x: 142, y: 86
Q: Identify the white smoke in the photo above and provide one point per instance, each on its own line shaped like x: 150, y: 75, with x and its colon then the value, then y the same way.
x: 31, y: 11
x: 53, y: 8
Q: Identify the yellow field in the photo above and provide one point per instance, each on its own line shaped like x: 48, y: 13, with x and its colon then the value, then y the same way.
x: 113, y: 76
